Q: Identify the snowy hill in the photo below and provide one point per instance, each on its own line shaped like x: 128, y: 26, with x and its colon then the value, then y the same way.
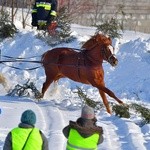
x: 129, y: 80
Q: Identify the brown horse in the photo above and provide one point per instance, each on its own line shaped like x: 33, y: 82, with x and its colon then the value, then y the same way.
x: 84, y: 66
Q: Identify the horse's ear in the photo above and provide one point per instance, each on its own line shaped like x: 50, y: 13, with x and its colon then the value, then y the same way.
x: 110, y: 39
x: 98, y: 37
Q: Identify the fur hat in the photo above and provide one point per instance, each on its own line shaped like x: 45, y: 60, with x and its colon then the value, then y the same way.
x: 87, y: 112
x: 28, y: 117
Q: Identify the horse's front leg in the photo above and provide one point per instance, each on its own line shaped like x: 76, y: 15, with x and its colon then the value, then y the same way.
x: 105, y: 101
x: 46, y: 84
x: 99, y: 84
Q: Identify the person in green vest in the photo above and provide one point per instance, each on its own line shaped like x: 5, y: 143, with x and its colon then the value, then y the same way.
x: 26, y: 136
x: 84, y: 134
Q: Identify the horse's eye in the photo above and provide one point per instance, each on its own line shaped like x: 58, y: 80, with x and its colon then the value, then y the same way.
x: 111, y: 49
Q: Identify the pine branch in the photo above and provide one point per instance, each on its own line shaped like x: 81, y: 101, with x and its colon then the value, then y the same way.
x: 87, y: 100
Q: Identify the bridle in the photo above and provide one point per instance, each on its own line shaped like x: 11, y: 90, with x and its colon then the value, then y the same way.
x: 108, y: 58
x: 103, y: 48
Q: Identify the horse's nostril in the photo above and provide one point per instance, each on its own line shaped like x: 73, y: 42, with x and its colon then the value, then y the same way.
x: 116, y: 62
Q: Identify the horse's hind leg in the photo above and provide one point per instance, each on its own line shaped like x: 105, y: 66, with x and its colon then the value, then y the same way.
x: 105, y: 101
x: 102, y: 91
x: 111, y: 94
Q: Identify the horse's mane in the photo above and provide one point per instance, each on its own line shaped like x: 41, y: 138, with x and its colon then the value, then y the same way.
x: 99, y: 38
x: 89, y: 43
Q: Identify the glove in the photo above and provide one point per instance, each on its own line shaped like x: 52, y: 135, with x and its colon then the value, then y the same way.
x: 52, y: 26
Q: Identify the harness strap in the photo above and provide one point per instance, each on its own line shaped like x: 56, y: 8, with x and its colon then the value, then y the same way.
x: 81, y: 62
x: 78, y: 148
x: 78, y: 61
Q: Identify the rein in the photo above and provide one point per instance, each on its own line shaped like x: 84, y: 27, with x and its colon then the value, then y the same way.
x: 109, y: 58
x: 103, y: 50
x: 90, y: 58
x: 5, y: 56
x: 20, y: 59
x: 4, y: 61
x: 27, y: 69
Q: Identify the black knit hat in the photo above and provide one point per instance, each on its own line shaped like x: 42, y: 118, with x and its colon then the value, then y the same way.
x: 28, y: 117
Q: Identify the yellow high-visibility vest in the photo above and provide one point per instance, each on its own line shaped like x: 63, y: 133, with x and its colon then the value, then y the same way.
x: 77, y: 142
x: 20, y: 135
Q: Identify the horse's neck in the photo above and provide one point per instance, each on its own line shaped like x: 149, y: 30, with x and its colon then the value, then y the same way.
x: 88, y: 46
x: 93, y: 55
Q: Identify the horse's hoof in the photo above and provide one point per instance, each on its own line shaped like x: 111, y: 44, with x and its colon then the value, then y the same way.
x: 120, y: 102
x: 39, y: 96
x: 125, y: 105
x: 109, y: 111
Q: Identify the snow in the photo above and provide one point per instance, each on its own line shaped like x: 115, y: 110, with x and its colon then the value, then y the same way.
x: 129, y: 80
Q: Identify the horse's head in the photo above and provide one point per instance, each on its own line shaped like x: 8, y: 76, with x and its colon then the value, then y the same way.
x: 107, y: 49
x: 105, y: 45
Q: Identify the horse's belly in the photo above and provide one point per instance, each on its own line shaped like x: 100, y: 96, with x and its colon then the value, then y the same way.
x: 75, y: 75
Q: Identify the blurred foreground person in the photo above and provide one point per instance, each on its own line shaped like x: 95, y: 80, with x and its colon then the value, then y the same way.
x: 83, y: 134
x: 26, y: 136
x: 44, y: 14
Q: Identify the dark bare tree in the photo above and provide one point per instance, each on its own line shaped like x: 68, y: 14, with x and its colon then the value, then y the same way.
x: 14, y: 9
x: 26, y: 9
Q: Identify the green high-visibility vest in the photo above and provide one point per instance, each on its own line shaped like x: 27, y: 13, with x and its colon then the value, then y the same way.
x: 20, y: 135
x: 77, y: 142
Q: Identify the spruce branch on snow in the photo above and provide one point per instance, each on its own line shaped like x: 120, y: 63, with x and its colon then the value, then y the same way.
x: 23, y: 90
x: 87, y: 100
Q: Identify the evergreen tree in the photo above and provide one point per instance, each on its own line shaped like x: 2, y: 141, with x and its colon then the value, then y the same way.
x: 111, y: 28
x: 62, y: 32
x: 64, y: 23
x: 7, y: 29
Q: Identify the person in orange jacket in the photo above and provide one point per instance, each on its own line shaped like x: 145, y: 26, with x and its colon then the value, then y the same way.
x: 84, y: 133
